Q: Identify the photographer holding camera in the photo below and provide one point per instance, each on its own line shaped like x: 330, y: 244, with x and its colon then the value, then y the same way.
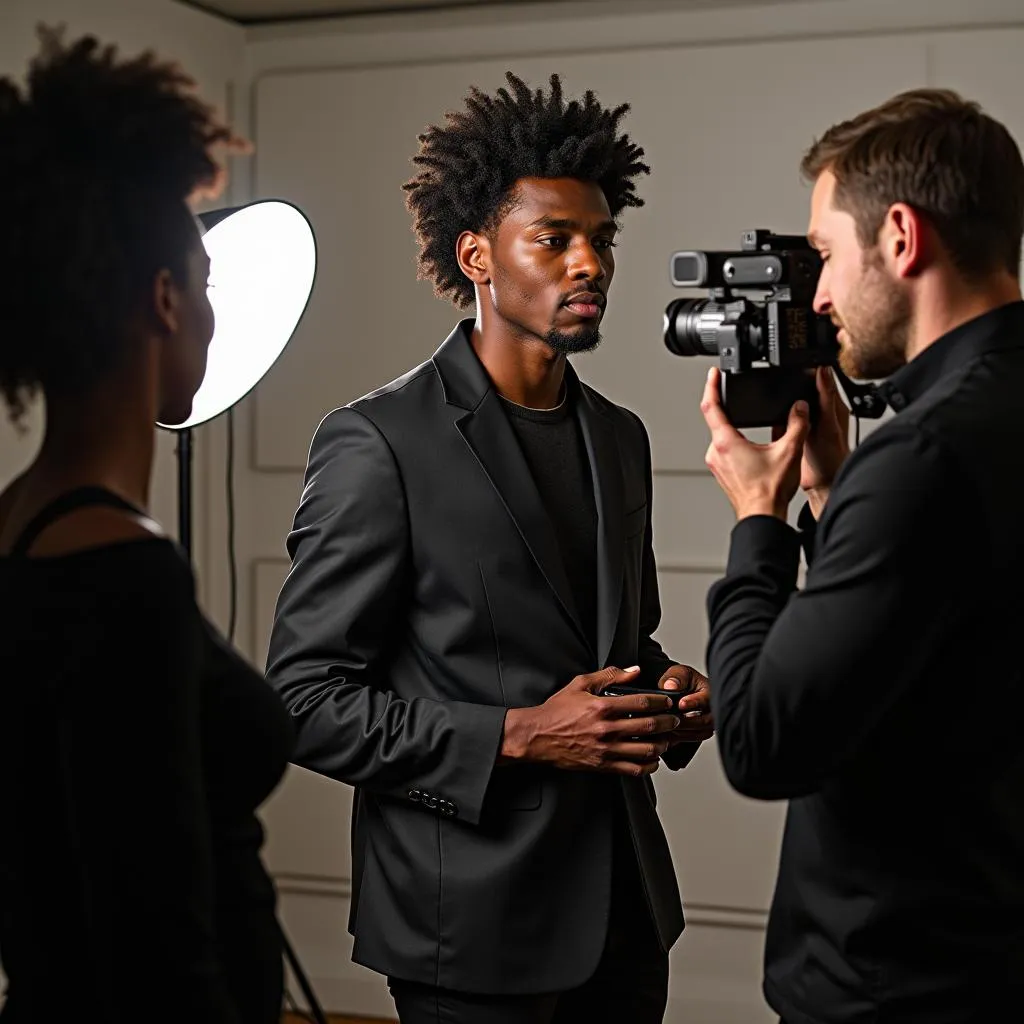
x: 883, y: 699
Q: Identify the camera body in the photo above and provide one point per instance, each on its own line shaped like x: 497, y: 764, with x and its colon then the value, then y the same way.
x: 758, y: 320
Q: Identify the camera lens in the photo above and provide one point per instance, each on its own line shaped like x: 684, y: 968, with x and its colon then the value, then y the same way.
x: 691, y: 327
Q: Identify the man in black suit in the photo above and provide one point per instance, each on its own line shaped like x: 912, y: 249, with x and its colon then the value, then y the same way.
x: 471, y: 564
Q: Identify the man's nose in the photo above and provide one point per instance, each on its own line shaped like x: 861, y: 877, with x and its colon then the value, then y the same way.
x: 822, y: 303
x: 585, y: 263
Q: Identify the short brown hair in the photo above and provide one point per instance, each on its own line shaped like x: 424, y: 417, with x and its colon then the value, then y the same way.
x: 942, y: 155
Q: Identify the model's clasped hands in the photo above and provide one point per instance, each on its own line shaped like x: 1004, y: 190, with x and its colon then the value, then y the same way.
x: 578, y: 729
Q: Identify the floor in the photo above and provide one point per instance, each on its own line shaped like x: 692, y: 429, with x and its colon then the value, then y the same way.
x: 333, y: 1018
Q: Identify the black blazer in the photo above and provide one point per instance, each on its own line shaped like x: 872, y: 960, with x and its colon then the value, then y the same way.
x: 426, y: 596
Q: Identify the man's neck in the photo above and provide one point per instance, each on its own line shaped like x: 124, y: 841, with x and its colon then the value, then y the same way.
x: 944, y: 304
x: 526, y: 371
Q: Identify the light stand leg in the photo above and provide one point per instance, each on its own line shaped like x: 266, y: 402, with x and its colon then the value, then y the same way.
x: 315, y: 1009
x: 184, y: 453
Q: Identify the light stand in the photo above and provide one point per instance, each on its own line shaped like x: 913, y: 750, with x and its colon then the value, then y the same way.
x: 262, y: 266
x: 184, y: 452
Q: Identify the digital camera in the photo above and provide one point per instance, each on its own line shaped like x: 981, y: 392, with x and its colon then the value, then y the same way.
x: 759, y: 321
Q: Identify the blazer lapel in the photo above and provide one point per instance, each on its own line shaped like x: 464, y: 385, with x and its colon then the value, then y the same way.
x: 484, y: 427
x: 491, y: 439
x: 606, y: 470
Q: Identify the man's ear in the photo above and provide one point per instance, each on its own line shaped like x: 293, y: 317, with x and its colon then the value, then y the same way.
x: 905, y: 241
x: 165, y: 303
x: 473, y: 251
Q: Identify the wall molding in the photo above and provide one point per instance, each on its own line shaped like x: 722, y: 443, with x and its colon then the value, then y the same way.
x: 462, y: 36
x: 261, y: 565
x: 259, y: 630
x: 291, y: 884
x: 688, y: 569
x: 705, y: 915
x: 686, y: 473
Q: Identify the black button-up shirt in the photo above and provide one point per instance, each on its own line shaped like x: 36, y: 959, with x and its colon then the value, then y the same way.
x: 885, y: 700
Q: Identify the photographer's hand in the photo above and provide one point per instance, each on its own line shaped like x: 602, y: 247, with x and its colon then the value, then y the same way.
x: 758, y: 479
x: 827, y: 444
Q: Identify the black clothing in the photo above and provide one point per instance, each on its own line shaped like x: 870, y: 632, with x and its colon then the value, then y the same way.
x: 135, y: 746
x: 885, y: 700
x: 428, y: 594
x: 629, y: 985
x: 556, y: 453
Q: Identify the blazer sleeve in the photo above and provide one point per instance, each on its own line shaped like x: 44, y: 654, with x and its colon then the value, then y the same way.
x: 341, y: 609
x: 653, y: 661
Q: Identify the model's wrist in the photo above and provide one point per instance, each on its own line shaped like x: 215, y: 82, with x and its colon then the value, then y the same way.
x: 515, y: 736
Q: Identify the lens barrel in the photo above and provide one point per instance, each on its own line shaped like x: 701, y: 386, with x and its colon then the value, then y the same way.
x: 690, y: 327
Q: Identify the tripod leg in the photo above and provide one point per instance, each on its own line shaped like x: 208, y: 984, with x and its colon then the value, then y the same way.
x: 300, y: 976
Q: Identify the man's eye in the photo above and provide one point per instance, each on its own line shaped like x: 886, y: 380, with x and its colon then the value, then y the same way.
x: 605, y: 243
x: 552, y: 241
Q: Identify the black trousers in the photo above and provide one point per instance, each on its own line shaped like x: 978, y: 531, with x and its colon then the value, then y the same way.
x: 630, y: 985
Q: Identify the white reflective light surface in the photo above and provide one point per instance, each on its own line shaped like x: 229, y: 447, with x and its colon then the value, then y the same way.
x: 262, y: 263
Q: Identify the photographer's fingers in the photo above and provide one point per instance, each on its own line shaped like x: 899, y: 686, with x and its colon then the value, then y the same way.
x: 826, y: 385
x: 714, y: 415
x: 830, y: 399
x: 797, y: 426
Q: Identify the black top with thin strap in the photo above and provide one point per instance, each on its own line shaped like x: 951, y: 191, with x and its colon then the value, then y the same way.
x: 135, y: 747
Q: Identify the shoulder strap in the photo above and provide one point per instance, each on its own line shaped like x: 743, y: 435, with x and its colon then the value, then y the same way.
x: 80, y: 497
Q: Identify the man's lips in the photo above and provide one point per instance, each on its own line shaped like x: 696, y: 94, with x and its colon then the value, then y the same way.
x: 588, y: 305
